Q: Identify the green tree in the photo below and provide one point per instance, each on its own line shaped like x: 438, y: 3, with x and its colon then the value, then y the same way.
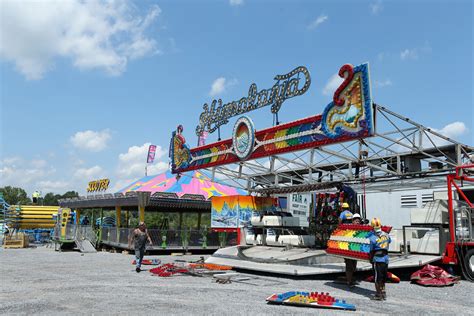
x: 70, y: 194
x: 15, y: 196
x: 51, y: 199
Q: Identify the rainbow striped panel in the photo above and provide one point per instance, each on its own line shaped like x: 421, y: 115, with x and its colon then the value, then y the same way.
x: 352, y: 241
x: 310, y: 299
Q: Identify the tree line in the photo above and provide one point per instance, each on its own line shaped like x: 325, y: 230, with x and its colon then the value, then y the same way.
x: 18, y: 196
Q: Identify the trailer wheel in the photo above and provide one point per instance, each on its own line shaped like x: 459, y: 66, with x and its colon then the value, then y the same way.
x: 468, y: 270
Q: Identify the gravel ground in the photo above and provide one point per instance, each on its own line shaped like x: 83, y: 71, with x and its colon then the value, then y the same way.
x: 42, y: 281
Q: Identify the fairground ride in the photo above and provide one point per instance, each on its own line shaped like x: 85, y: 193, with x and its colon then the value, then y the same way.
x: 354, y: 141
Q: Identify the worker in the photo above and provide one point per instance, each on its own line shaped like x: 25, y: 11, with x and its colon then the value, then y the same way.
x: 36, y: 196
x: 85, y: 220
x: 350, y: 196
x: 379, y: 242
x: 356, y: 219
x: 351, y: 265
x: 346, y: 215
x: 139, y: 236
x: 6, y: 229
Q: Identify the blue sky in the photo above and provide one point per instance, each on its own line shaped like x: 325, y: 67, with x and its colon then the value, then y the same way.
x: 85, y: 87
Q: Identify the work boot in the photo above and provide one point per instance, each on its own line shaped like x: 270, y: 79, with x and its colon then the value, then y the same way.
x: 377, y: 297
x: 378, y: 293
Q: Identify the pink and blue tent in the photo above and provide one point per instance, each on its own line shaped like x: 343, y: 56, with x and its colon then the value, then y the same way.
x: 195, y: 183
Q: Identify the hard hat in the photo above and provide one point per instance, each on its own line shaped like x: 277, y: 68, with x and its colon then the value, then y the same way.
x: 356, y: 215
x: 376, y: 223
x: 345, y: 205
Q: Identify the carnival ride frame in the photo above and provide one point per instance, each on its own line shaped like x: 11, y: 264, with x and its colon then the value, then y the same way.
x: 385, y: 152
x: 401, y: 154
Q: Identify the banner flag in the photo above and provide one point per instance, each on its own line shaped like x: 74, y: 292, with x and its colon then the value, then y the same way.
x: 151, y: 154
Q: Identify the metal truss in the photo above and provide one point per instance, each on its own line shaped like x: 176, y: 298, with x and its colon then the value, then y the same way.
x: 402, y: 154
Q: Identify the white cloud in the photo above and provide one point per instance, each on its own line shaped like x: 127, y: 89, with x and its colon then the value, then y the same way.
x: 414, y: 53
x: 319, y: 20
x: 38, y: 163
x: 236, y: 2
x: 89, y: 174
x: 376, y: 7
x: 220, y: 85
x: 333, y: 83
x: 131, y: 164
x: 453, y: 130
x: 91, y: 140
x: 383, y: 83
x: 54, y: 186
x: 27, y: 174
x: 409, y: 54
x: 92, y: 34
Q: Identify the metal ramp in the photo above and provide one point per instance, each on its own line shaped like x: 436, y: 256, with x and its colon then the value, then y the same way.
x: 85, y: 246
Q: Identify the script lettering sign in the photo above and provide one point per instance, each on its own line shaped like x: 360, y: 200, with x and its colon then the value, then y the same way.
x: 286, y: 87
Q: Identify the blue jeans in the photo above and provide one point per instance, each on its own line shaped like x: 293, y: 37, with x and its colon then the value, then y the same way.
x: 139, y: 253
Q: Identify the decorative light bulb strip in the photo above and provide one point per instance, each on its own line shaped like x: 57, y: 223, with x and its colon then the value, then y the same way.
x: 310, y: 299
x: 352, y: 241
x: 349, y: 117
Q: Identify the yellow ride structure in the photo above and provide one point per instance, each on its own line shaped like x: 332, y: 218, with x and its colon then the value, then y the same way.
x: 31, y: 216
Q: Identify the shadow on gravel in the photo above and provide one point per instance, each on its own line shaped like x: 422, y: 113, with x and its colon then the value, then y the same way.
x: 357, y: 290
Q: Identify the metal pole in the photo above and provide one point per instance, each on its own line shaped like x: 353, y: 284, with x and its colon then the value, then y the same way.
x: 199, y: 220
x: 452, y: 226
x: 141, y: 214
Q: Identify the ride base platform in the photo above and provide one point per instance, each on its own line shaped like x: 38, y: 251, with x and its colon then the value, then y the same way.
x: 302, y: 261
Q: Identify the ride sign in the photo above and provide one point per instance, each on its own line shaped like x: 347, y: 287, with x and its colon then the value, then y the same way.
x: 286, y: 87
x: 98, y: 185
x: 348, y: 116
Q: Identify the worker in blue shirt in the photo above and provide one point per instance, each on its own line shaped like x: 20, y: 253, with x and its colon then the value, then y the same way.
x: 346, y: 215
x: 350, y: 195
x: 379, y: 242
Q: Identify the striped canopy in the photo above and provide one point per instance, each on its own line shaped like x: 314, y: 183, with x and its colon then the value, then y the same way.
x: 189, y: 183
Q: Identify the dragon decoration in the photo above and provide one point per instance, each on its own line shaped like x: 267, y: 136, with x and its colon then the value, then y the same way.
x: 349, y: 116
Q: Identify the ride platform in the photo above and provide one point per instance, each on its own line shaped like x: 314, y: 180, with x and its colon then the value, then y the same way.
x: 302, y: 261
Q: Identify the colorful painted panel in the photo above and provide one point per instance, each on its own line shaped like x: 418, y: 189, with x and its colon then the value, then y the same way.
x: 352, y: 241
x: 349, y: 116
x: 310, y: 299
x: 236, y: 211
x: 195, y: 183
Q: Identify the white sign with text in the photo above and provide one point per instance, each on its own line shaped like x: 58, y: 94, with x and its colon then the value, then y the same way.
x: 298, y: 205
